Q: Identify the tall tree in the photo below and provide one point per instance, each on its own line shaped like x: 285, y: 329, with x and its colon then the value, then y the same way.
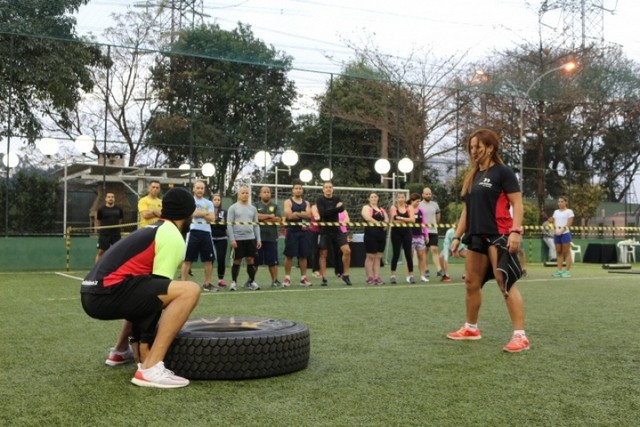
x: 224, y: 95
x: 44, y: 65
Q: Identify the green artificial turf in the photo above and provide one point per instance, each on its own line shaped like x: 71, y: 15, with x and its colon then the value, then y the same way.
x: 379, y: 357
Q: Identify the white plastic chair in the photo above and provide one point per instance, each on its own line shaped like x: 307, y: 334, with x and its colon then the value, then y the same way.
x: 575, y: 250
x: 627, y: 250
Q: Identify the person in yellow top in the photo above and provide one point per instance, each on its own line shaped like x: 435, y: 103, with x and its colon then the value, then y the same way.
x: 150, y: 206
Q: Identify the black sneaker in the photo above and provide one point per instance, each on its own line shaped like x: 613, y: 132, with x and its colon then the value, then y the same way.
x: 324, y: 282
x: 440, y: 273
x: 276, y: 284
x: 208, y: 287
x: 190, y: 273
x: 346, y: 280
x: 427, y: 274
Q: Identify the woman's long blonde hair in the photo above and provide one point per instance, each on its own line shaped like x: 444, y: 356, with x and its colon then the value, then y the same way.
x: 488, y: 138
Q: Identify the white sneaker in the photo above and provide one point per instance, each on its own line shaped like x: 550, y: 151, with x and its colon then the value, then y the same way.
x: 233, y: 286
x: 253, y: 286
x: 158, y: 376
x: 119, y: 357
x: 410, y: 279
x: 424, y: 278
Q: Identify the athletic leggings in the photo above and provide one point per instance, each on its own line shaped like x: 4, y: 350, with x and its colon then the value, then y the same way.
x: 221, y: 255
x: 401, y: 239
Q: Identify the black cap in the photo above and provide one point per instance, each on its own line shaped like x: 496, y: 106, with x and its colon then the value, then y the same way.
x: 178, y: 203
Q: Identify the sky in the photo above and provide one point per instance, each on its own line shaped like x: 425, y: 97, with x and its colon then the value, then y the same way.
x: 316, y: 33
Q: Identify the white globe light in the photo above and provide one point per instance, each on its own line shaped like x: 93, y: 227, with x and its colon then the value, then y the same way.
x: 382, y: 166
x: 208, y: 169
x: 48, y: 146
x: 289, y: 158
x: 10, y: 161
x: 262, y: 159
x: 306, y: 175
x: 326, y: 174
x: 185, y: 166
x: 84, y: 144
x: 405, y: 165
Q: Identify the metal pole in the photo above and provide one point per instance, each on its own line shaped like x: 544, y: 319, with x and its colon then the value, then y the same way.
x: 64, y: 197
x: 106, y: 112
x: 521, y: 145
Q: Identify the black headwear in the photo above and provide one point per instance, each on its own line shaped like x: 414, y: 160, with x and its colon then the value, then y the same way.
x: 178, y: 203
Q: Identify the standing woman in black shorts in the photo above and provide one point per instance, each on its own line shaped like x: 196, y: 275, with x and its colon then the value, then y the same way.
x: 490, y: 189
x: 402, y: 214
x: 375, y: 239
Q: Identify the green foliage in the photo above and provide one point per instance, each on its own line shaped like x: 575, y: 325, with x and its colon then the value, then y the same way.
x: 41, y: 74
x: 221, y: 111
x: 453, y: 212
x: 531, y: 213
x: 585, y: 199
x: 32, y: 202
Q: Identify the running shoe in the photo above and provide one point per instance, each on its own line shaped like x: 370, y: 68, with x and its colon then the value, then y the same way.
x: 252, y: 286
x: 233, y: 286
x: 411, y: 279
x: 305, y: 282
x: 208, y: 287
x: 158, y: 376
x: 424, y: 279
x: 276, y: 284
x: 427, y: 274
x: 286, y: 282
x: 117, y: 358
x: 370, y: 281
x: 379, y: 281
x: 557, y: 273
x: 445, y: 279
x: 566, y: 274
x: 345, y: 279
x: 324, y: 282
x: 440, y: 273
x: 221, y: 283
x: 464, y: 333
x: 393, y: 280
x: 517, y: 344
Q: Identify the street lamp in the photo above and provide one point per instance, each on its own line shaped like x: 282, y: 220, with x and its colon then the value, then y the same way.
x: 208, y: 170
x: 569, y: 66
x: 262, y: 159
x: 289, y: 158
x: 306, y: 176
x: 326, y: 174
x: 382, y: 166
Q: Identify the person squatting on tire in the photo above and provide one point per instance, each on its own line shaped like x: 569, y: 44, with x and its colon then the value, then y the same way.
x: 133, y: 281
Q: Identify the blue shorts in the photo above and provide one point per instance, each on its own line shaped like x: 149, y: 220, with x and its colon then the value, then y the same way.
x: 296, y: 244
x: 199, y: 243
x: 267, y: 254
x: 562, y: 239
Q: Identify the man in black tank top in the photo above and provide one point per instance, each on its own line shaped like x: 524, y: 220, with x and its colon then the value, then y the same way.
x: 296, y: 244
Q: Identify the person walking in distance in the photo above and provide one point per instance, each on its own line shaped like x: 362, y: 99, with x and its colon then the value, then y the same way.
x: 219, y: 237
x: 199, y: 241
x: 244, y: 237
x: 401, y: 215
x: 134, y: 281
x: 296, y: 244
x: 492, y: 235
x: 108, y: 215
x: 329, y: 208
x: 432, y: 217
x: 563, y: 219
x: 375, y: 239
x: 150, y: 206
x: 268, y: 253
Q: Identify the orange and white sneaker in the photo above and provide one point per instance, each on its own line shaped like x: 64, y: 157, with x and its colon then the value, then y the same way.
x: 465, y: 333
x: 517, y: 344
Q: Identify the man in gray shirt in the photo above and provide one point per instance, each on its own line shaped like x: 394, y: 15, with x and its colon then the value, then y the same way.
x: 432, y: 217
x: 244, y: 238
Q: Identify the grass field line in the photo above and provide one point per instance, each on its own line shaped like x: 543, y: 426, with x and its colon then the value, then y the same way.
x: 70, y: 276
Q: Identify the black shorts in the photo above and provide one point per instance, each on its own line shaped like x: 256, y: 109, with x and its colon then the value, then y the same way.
x: 433, y: 240
x: 338, y: 240
x: 245, y: 249
x: 296, y: 244
x: 105, y: 241
x: 199, y: 243
x: 375, y: 241
x: 267, y: 254
x: 481, y: 242
x: 135, y: 299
